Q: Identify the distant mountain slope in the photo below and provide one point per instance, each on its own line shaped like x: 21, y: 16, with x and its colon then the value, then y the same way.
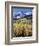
x: 22, y: 15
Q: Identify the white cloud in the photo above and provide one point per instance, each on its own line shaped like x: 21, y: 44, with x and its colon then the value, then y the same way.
x: 18, y: 17
x: 28, y: 13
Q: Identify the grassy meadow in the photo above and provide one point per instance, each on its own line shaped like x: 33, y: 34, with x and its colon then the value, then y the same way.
x: 22, y: 27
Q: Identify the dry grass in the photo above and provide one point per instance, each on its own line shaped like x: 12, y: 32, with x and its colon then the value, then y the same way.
x: 22, y: 29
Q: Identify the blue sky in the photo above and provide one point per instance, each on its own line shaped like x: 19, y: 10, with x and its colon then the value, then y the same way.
x: 16, y: 10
